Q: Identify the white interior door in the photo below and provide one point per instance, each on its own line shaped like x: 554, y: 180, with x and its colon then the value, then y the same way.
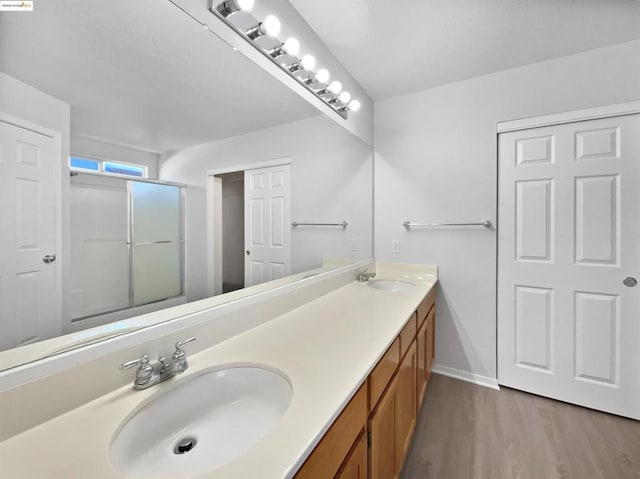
x: 267, y: 232
x: 569, y: 235
x: 29, y: 303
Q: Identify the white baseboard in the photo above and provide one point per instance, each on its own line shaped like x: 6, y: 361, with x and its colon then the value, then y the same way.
x: 485, y: 381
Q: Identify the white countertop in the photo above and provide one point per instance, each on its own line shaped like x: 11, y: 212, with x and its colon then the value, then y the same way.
x: 326, y: 348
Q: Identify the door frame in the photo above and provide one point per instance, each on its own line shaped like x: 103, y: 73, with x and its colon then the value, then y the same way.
x: 214, y: 218
x: 58, y: 170
x: 607, y: 111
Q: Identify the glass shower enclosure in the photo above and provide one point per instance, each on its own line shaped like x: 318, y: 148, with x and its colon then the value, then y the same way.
x: 127, y: 243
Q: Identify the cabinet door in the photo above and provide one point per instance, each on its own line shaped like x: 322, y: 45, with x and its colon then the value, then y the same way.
x: 405, y: 405
x: 421, y: 370
x: 382, y: 427
x: 355, y: 465
x: 431, y: 337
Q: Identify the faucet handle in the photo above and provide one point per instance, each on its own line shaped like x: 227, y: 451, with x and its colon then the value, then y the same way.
x: 180, y: 363
x: 179, y: 344
x: 145, y: 375
x: 143, y: 361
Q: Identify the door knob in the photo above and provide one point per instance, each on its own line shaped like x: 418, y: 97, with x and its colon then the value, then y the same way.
x: 630, y: 281
x: 49, y: 258
x: 248, y: 252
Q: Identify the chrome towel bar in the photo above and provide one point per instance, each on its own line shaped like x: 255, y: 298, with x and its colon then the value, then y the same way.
x: 485, y: 223
x: 344, y: 224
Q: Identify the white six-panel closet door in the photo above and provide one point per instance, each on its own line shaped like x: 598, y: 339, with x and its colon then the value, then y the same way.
x: 568, y: 256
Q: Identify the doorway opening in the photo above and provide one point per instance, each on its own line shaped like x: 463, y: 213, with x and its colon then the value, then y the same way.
x: 248, y: 225
x: 232, y: 223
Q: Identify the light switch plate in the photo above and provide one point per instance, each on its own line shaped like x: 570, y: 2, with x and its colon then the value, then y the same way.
x: 395, y: 246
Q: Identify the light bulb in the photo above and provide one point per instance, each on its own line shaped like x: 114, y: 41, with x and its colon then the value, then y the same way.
x: 354, y: 105
x: 291, y: 46
x: 344, y: 97
x: 245, y: 4
x: 335, y: 87
x: 308, y: 62
x: 229, y: 7
x: 271, y: 25
x: 323, y: 75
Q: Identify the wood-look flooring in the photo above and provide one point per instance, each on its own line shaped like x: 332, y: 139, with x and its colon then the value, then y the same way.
x: 469, y: 432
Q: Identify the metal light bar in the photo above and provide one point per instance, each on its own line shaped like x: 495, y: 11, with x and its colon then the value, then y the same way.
x: 328, y: 95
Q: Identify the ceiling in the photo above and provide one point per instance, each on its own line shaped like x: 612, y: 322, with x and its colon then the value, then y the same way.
x: 393, y: 47
x: 146, y: 75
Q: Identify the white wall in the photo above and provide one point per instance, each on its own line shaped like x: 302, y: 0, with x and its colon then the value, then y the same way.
x: 106, y: 150
x: 23, y: 101
x: 331, y: 177
x: 436, y: 161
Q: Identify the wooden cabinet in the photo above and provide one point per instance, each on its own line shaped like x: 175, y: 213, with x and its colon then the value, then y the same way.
x: 382, y: 430
x: 330, y: 453
x: 371, y: 437
x: 405, y: 404
x: 355, y: 465
x: 431, y: 338
x: 425, y: 341
x: 383, y: 372
x: 392, y: 423
x: 421, y: 368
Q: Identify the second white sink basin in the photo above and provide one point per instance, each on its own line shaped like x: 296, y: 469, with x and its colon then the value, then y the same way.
x: 202, y: 423
x: 391, y: 284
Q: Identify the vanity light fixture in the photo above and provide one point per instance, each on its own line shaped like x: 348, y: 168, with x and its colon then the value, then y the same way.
x: 229, y: 7
x: 270, y: 26
x: 345, y: 97
x: 320, y: 78
x: 335, y: 87
x: 306, y: 63
x: 314, y: 82
x: 290, y: 47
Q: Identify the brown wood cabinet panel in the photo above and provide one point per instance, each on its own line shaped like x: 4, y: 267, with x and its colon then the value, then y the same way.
x: 432, y: 338
x: 421, y: 368
x: 331, y: 451
x: 407, y: 334
x: 431, y: 345
x: 382, y: 428
x: 355, y: 465
x: 382, y: 373
x: 425, y: 306
x: 405, y: 405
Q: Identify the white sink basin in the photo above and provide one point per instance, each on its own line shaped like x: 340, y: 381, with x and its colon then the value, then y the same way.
x: 391, y: 284
x: 214, y: 418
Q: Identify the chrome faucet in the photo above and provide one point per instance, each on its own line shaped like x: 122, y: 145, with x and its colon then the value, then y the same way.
x: 150, y: 373
x: 364, y: 276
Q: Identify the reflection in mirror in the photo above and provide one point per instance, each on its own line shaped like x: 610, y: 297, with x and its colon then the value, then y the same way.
x: 175, y: 179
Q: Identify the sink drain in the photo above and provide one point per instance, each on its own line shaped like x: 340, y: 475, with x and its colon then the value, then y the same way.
x: 185, y: 445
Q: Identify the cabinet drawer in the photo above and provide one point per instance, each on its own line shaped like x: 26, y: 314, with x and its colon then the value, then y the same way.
x: 383, y: 372
x: 407, y: 334
x: 330, y: 453
x: 425, y: 306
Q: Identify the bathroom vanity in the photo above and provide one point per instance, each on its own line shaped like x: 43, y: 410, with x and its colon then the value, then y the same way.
x: 372, y: 435
x: 347, y: 372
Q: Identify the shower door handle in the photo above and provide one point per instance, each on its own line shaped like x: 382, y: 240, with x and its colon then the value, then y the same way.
x: 49, y: 258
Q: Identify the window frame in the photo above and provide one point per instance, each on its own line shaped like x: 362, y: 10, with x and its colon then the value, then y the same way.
x: 101, y: 169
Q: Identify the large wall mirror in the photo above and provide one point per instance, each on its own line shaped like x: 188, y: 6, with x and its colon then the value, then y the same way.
x: 191, y: 174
